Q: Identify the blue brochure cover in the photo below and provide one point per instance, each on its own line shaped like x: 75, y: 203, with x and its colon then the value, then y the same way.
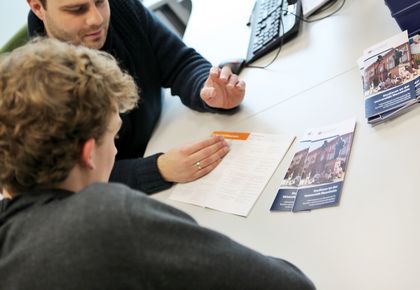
x: 315, y: 176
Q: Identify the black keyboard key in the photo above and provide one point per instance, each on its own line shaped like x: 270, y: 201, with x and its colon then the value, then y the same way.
x: 266, y: 21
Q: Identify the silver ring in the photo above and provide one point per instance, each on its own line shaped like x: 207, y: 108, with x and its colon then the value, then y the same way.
x: 198, y: 165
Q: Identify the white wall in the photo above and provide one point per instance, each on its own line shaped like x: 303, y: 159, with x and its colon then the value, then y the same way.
x: 13, y: 14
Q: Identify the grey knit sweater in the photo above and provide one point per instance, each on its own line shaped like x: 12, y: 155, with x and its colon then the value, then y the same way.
x: 111, y: 237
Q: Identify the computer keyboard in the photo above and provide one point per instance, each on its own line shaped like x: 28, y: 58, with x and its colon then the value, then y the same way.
x: 273, y: 22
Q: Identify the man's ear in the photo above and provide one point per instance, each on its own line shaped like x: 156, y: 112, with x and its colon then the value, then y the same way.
x: 37, y: 8
x: 86, y: 157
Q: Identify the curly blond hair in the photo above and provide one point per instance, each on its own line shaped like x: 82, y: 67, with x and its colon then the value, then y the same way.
x: 55, y: 96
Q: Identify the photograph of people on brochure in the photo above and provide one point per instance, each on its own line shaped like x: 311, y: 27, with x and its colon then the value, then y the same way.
x: 294, y: 172
x: 390, y: 73
x: 326, y: 160
x: 316, y: 173
x: 389, y: 77
x: 415, y: 59
x: 389, y: 69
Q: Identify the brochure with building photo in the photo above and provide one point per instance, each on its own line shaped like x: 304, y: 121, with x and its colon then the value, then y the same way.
x: 390, y: 76
x: 415, y: 60
x: 315, y: 176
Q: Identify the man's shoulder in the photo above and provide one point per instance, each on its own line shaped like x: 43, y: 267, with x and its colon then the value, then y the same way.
x: 117, y: 198
x: 123, y: 5
x: 109, y: 193
x: 101, y: 206
x: 104, y: 200
x: 107, y: 188
x: 127, y: 16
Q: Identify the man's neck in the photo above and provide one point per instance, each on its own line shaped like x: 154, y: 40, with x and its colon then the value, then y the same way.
x: 77, y: 179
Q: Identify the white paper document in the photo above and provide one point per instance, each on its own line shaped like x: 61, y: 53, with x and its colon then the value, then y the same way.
x: 237, y: 182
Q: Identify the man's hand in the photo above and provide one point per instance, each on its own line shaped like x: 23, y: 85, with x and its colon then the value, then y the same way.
x: 223, y: 89
x: 192, y: 161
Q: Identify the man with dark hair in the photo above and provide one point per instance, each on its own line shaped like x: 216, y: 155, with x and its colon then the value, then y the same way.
x: 61, y: 226
x: 155, y: 58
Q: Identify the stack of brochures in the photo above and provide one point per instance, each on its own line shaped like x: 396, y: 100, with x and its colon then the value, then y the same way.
x: 391, y: 77
x: 315, y: 176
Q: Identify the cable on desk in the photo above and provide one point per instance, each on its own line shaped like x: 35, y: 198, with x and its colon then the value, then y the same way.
x: 329, y: 5
x: 278, y: 50
x: 307, y: 20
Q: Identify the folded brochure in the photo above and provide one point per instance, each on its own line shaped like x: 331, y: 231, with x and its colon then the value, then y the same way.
x: 315, y: 176
x: 391, y: 77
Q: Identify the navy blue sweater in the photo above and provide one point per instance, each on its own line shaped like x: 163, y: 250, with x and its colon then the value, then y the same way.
x: 156, y: 58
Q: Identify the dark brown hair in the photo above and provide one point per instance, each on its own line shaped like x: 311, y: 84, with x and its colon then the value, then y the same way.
x: 44, y: 3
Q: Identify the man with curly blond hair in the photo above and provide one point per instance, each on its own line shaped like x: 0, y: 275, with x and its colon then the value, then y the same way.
x: 56, y: 103
x: 61, y: 226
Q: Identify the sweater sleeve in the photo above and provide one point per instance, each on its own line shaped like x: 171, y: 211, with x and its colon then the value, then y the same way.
x: 177, y: 253
x: 140, y: 174
x: 182, y: 69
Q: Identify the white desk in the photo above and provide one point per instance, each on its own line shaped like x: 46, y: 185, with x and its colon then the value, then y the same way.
x: 370, y: 241
x: 320, y: 52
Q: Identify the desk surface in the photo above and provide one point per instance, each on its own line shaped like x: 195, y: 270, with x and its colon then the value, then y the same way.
x: 370, y: 241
